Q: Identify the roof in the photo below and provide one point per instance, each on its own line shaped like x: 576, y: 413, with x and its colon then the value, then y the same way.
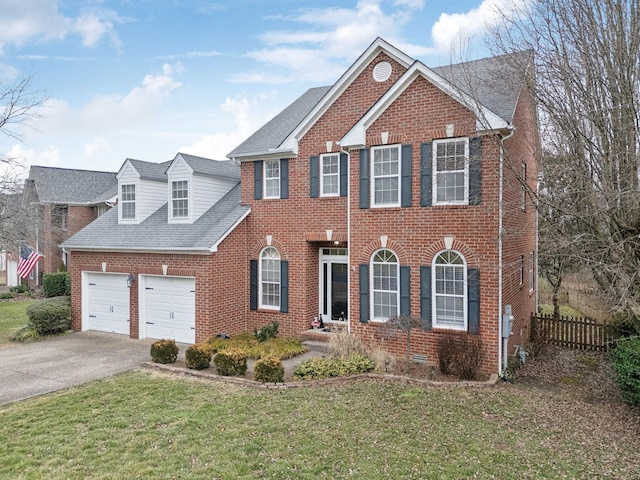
x: 226, y: 169
x: 149, y: 170
x: 156, y: 234
x: 70, y: 186
x: 489, y: 82
x: 276, y: 130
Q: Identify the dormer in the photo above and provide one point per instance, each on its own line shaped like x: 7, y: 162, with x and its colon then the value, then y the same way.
x: 195, y: 184
x: 142, y: 189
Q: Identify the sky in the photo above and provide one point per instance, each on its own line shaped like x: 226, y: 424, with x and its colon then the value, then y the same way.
x: 147, y: 79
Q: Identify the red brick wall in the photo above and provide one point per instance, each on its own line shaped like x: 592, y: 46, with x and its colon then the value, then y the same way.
x: 221, y: 282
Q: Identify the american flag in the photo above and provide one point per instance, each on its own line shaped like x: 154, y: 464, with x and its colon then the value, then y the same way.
x: 28, y: 260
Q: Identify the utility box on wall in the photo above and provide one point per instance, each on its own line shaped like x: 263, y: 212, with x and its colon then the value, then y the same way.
x: 507, y: 322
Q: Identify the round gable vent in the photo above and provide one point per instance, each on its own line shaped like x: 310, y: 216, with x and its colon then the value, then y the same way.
x: 382, y: 71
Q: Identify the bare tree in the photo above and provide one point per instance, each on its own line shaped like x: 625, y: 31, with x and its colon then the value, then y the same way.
x: 587, y: 59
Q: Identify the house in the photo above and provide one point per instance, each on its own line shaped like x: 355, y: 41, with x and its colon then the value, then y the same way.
x: 398, y: 190
x: 67, y: 200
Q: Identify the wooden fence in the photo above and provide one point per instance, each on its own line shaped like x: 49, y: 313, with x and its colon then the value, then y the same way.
x: 577, y: 333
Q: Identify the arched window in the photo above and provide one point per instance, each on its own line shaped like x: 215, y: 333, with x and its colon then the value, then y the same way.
x: 385, y: 284
x: 269, y: 278
x: 449, y: 290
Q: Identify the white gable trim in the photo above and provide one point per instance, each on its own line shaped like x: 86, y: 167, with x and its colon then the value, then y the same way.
x: 378, y: 46
x: 178, y: 159
x: 125, y: 166
x: 485, y: 118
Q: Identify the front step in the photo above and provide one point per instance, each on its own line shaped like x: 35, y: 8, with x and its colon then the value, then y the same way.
x: 316, y: 346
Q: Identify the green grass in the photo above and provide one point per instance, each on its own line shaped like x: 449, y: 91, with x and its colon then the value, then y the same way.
x: 148, y: 425
x: 565, y: 311
x: 12, y: 317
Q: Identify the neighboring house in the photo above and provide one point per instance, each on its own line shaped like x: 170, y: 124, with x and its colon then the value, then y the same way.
x: 64, y: 202
x: 168, y: 262
x: 395, y: 191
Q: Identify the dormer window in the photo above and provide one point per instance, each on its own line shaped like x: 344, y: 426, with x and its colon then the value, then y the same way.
x: 128, y: 201
x: 180, y: 199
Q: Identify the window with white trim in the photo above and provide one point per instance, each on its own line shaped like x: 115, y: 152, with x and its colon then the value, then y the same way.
x: 385, y: 174
x: 385, y: 285
x: 128, y: 202
x: 450, y: 290
x: 330, y: 175
x: 269, y: 279
x: 272, y: 179
x: 451, y: 171
x: 180, y: 199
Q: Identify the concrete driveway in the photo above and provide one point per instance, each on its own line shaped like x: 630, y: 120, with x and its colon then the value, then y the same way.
x: 63, y: 361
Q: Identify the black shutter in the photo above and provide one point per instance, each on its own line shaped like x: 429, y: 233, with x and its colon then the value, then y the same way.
x: 314, y: 176
x: 284, y: 178
x: 405, y: 291
x: 425, y: 297
x: 344, y: 179
x: 364, y: 293
x: 257, y: 180
x: 426, y: 164
x: 253, y: 284
x: 405, y: 171
x: 475, y: 171
x: 284, y: 286
x: 473, y: 300
x: 364, y: 178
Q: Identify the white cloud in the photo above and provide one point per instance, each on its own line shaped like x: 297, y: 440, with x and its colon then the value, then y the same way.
x: 97, y: 146
x: 50, y: 157
x: 451, y: 29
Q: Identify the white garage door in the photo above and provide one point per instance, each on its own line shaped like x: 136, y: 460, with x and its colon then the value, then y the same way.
x: 170, y: 308
x: 108, y: 303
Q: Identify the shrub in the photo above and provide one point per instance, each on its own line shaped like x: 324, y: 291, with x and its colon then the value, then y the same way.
x: 22, y: 288
x: 52, y: 315
x: 56, y: 284
x: 268, y: 369
x: 265, y: 333
x: 25, y: 335
x: 343, y: 344
x: 198, y: 356
x: 6, y: 295
x: 164, y: 351
x: 217, y: 344
x: 460, y: 354
x: 626, y: 363
x: 231, y: 361
x: 328, y: 367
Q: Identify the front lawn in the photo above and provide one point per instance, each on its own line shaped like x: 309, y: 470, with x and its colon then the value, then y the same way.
x: 12, y: 317
x: 147, y: 424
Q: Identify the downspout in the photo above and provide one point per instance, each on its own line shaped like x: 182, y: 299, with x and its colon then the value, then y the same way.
x: 342, y: 150
x: 503, y: 343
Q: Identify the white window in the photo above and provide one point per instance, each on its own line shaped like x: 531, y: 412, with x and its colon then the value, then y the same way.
x: 128, y: 201
x: 180, y: 199
x: 272, y: 179
x: 385, y: 285
x: 450, y: 291
x: 61, y: 215
x: 269, y: 279
x: 330, y: 176
x: 386, y: 176
x: 451, y: 171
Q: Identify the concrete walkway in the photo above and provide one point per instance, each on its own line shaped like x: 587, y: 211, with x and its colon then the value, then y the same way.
x: 63, y: 361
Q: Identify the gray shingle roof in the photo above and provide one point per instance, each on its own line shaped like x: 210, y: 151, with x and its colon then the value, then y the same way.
x: 155, y: 234
x: 276, y: 130
x: 226, y: 169
x: 69, y: 186
x: 150, y: 171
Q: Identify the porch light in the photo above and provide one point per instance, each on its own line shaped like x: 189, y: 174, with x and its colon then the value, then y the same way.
x: 130, y: 279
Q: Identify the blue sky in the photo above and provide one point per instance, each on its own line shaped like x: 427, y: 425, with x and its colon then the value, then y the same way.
x: 146, y: 79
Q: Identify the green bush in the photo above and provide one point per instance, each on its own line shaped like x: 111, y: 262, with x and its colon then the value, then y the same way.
x: 328, y: 367
x: 265, y: 333
x: 625, y: 360
x: 460, y: 354
x: 22, y: 288
x: 198, y: 356
x: 164, y: 351
x: 25, y: 335
x: 231, y: 361
x: 268, y: 369
x: 52, y: 315
x: 56, y: 284
x: 6, y: 296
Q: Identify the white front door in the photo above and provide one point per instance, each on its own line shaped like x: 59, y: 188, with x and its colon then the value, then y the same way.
x: 107, y: 302
x: 334, y: 293
x: 169, y: 308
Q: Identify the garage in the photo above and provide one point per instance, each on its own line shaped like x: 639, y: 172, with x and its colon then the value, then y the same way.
x: 168, y: 307
x: 107, y: 302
